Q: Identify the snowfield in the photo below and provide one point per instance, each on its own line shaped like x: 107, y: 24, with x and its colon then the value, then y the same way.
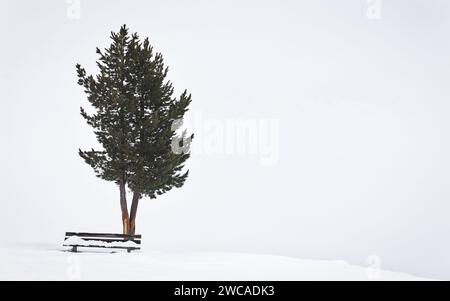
x: 46, y: 262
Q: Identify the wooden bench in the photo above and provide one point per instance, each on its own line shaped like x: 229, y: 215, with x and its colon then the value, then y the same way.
x: 102, y: 240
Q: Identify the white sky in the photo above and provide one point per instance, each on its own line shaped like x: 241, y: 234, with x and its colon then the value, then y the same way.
x: 364, y: 128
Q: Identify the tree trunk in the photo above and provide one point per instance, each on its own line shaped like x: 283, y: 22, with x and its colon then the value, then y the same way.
x: 124, y: 207
x: 133, y: 212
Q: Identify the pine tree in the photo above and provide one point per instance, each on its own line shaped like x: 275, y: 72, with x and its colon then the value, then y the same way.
x: 136, y: 120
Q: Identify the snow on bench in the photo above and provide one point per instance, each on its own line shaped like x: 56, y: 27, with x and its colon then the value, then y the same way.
x: 102, y: 240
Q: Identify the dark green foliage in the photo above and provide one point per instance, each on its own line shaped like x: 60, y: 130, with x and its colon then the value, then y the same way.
x: 134, y: 117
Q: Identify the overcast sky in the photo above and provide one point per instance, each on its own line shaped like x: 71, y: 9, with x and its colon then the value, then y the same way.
x: 353, y: 102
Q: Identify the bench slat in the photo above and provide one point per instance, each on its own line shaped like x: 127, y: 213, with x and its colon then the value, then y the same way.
x: 109, y: 235
x: 105, y: 239
x: 106, y: 247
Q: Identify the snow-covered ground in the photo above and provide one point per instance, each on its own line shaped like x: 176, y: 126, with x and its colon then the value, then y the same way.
x: 46, y: 262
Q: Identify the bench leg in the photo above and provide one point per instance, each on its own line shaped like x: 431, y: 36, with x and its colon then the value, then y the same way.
x: 128, y: 250
x: 74, y: 249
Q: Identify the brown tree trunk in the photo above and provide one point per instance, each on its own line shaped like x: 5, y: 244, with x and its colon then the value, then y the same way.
x: 133, y: 212
x: 124, y: 207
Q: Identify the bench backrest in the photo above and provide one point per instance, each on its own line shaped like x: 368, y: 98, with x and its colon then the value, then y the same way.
x: 105, y: 237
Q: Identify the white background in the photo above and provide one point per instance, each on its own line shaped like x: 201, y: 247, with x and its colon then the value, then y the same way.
x: 364, y: 139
